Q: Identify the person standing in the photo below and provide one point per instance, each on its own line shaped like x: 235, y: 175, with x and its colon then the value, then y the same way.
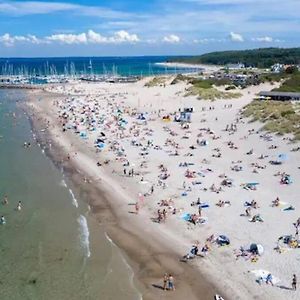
x: 200, y: 210
x: 171, y: 285
x: 165, y: 280
x: 294, y: 282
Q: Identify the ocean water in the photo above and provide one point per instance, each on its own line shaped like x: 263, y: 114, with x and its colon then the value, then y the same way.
x: 52, y: 248
x: 143, y: 65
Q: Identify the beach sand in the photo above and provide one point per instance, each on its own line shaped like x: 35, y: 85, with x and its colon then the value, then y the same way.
x: 155, y: 248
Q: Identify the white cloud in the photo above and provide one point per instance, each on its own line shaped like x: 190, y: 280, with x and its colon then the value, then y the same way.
x: 208, y: 40
x: 91, y: 37
x: 123, y: 36
x: 9, y: 40
x: 22, y: 8
x: 264, y: 39
x: 172, y: 38
x: 68, y: 38
x: 236, y: 37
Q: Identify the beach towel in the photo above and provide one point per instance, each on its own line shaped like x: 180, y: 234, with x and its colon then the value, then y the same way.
x: 204, y: 205
x: 186, y: 216
x: 289, y: 208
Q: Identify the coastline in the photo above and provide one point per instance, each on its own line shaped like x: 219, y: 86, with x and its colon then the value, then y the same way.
x: 200, y: 67
x: 150, y: 255
x: 218, y: 272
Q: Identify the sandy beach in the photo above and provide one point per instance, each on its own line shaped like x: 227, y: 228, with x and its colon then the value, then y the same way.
x: 161, y: 186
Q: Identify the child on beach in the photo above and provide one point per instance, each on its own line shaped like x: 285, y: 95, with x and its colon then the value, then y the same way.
x: 165, y: 281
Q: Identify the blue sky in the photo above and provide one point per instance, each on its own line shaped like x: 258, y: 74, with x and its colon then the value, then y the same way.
x: 145, y: 27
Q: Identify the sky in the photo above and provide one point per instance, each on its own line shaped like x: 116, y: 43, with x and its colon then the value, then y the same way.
x: 145, y: 27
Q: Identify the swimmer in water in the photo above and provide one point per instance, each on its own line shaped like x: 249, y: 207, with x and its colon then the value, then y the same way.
x: 5, y: 200
x: 19, y: 207
x: 2, y: 220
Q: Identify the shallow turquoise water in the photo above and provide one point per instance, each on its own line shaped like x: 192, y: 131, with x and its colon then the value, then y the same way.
x: 52, y: 248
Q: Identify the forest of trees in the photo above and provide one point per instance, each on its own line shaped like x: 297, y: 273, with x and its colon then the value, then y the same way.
x: 261, y: 58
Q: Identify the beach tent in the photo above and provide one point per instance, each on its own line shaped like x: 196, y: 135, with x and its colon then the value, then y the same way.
x: 185, y: 116
x: 256, y: 248
x: 223, y: 240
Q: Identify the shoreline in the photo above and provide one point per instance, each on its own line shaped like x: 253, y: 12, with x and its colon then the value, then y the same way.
x: 149, y: 255
x: 219, y: 272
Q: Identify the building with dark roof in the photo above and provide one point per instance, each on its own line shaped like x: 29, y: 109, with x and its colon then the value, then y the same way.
x: 280, y: 96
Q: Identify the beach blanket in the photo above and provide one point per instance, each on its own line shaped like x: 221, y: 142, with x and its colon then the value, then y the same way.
x: 186, y: 216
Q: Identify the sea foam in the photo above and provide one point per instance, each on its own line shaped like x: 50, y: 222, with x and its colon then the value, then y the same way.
x: 131, y: 275
x: 74, y: 200
x: 84, y: 235
x: 63, y: 183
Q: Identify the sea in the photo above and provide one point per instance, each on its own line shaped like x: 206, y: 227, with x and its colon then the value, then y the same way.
x: 125, y: 66
x: 52, y: 248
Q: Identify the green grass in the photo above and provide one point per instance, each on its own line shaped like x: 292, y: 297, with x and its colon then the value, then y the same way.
x: 292, y: 84
x: 278, y: 117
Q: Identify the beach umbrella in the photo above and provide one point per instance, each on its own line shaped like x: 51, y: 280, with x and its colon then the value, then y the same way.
x: 260, y: 249
x: 257, y: 248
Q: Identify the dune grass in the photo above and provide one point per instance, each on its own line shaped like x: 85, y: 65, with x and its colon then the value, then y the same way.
x: 156, y: 81
x: 278, y: 117
x: 209, y: 93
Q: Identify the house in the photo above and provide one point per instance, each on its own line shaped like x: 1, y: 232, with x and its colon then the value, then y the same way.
x: 277, y: 68
x: 235, y: 66
x: 279, y: 96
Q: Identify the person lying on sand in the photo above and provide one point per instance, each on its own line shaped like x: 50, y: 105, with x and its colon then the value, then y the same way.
x: 276, y: 202
x: 256, y: 218
x: 222, y: 203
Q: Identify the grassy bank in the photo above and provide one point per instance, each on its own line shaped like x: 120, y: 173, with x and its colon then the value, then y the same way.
x: 278, y: 117
x: 156, y: 81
